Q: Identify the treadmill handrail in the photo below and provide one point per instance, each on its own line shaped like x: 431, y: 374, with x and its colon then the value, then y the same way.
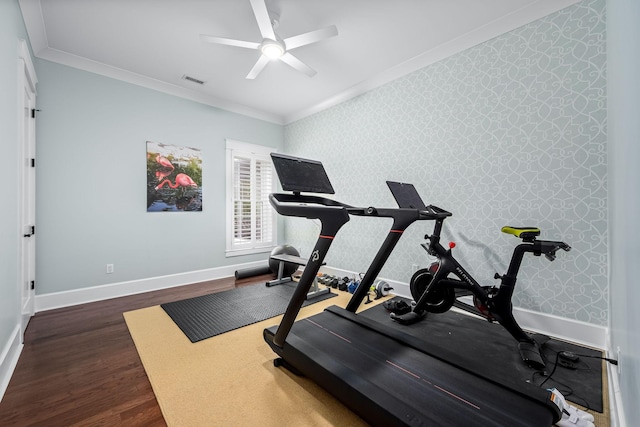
x: 312, y: 206
x: 333, y: 215
x: 282, y: 198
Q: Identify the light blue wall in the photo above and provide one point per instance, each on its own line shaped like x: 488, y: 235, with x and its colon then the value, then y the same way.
x: 91, y: 180
x: 624, y: 157
x: 11, y: 30
x: 509, y: 132
x: 499, y: 124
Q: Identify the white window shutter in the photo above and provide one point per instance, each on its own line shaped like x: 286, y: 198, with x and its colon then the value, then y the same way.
x: 241, y: 201
x: 264, y: 211
x: 251, y: 218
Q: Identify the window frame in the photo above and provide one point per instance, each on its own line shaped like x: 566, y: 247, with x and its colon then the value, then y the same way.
x: 254, y: 152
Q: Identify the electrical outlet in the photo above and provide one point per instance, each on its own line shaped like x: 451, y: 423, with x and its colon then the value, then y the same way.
x: 109, y: 268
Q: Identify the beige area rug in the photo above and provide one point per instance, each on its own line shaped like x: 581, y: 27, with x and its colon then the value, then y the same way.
x: 230, y: 380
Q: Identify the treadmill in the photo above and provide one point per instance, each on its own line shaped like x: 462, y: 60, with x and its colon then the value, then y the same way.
x: 384, y: 375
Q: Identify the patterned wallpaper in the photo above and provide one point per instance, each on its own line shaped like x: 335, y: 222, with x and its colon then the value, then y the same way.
x: 509, y: 132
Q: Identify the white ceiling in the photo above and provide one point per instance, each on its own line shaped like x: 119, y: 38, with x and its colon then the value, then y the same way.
x: 154, y: 43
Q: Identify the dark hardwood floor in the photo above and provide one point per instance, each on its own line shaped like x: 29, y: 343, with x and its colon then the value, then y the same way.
x: 79, y: 366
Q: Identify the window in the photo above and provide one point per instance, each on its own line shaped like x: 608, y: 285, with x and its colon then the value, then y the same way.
x: 251, y: 221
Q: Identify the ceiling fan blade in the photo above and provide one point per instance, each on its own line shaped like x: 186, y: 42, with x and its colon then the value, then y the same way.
x: 229, y: 42
x: 310, y: 37
x: 264, y: 21
x: 294, y: 62
x: 262, y: 62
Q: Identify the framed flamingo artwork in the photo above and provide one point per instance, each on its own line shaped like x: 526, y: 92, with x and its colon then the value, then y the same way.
x: 174, y: 178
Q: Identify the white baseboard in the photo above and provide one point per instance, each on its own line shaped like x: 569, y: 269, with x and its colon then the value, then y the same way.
x: 548, y: 324
x: 9, y: 359
x: 114, y: 290
x: 618, y: 418
x: 562, y: 328
x: 615, y: 399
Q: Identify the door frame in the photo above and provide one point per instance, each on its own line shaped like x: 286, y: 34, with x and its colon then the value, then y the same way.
x: 27, y: 81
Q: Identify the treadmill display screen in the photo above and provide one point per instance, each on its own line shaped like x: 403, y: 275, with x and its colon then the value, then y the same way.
x: 301, y: 175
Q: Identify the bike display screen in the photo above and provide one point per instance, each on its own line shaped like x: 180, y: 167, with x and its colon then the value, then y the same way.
x: 406, y: 195
x: 301, y: 175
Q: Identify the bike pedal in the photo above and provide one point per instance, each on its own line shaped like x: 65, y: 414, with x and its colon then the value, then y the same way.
x: 408, y: 318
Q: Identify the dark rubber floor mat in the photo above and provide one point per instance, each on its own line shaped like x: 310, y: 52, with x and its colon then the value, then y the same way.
x: 489, y: 347
x: 210, y: 315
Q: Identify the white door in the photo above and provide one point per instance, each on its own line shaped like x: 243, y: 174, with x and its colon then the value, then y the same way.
x: 27, y: 169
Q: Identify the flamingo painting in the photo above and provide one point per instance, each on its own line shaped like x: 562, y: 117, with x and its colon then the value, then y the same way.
x: 174, y: 178
x: 182, y: 180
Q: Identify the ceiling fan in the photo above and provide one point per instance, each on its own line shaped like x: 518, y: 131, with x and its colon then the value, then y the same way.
x: 273, y: 47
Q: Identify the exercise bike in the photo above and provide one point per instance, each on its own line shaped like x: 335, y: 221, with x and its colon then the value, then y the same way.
x: 434, y: 288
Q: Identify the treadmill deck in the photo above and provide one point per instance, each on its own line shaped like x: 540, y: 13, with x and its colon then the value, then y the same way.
x: 387, y: 382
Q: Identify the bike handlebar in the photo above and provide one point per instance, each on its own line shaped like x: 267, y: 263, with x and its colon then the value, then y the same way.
x: 549, y: 248
x: 434, y: 212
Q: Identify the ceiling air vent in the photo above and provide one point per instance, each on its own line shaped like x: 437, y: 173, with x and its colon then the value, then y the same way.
x: 193, y: 79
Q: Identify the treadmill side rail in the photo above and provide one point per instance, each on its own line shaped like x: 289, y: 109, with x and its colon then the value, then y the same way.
x: 332, y: 215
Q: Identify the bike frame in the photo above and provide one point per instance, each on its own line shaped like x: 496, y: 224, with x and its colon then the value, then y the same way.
x: 497, y: 300
x: 498, y: 305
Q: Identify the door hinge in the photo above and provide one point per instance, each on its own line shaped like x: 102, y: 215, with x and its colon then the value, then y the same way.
x: 33, y: 231
x: 33, y: 163
x: 33, y: 113
x: 33, y: 284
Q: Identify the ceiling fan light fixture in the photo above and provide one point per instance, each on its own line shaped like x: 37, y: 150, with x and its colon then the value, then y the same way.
x: 272, y: 49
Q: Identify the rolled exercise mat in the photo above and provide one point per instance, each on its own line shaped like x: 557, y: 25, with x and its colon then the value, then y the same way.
x: 250, y: 272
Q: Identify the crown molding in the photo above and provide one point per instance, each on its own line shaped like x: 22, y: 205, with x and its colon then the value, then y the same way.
x: 32, y: 15
x: 102, y: 69
x: 502, y: 25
